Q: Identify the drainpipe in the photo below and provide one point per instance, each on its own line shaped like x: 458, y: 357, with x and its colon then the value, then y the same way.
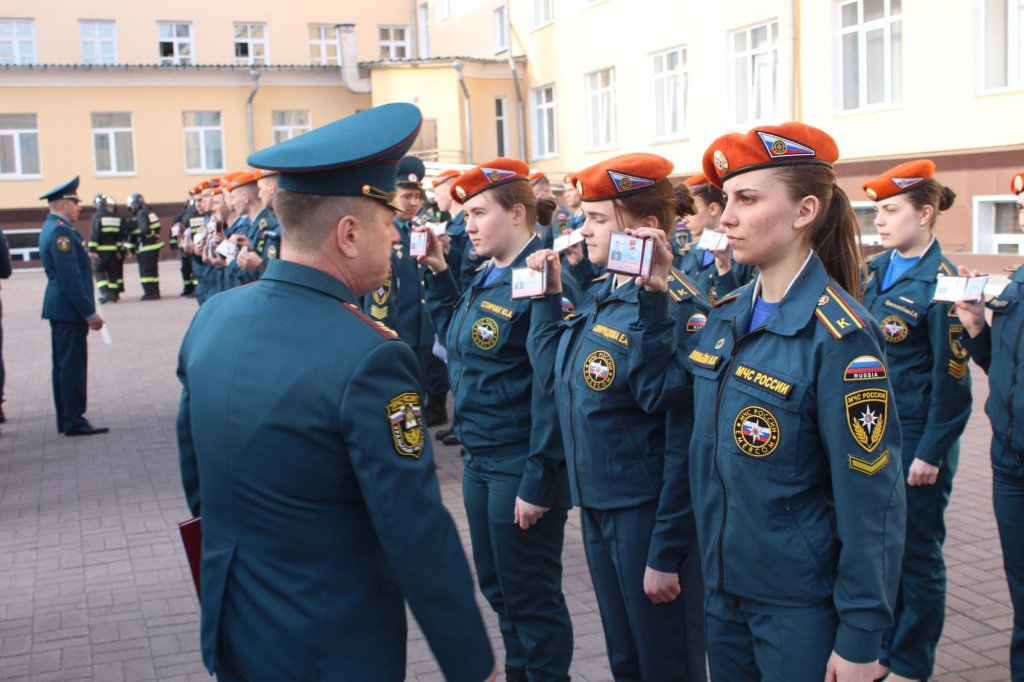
x: 520, y: 109
x: 457, y: 65
x: 255, y: 76
x: 798, y: 103
x: 349, y: 62
x: 414, y: 25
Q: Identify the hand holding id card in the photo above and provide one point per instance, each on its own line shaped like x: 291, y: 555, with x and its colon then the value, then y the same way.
x: 418, y: 244
x: 562, y: 242
x: 528, y: 283
x: 228, y: 250
x: 629, y: 255
x: 953, y: 289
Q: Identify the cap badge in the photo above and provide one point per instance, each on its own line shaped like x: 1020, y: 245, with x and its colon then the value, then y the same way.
x: 779, y: 146
x: 624, y: 183
x: 496, y: 174
x: 460, y: 191
x: 721, y: 163
x: 872, y: 194
x: 412, y: 177
x: 904, y: 183
x: 1018, y: 183
x: 579, y: 186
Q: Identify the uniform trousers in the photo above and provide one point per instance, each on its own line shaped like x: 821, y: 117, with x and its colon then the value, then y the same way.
x: 519, y: 571
x: 747, y: 644
x: 187, y: 275
x: 70, y: 362
x: 1008, y: 499
x: 149, y: 272
x: 107, y: 274
x: 908, y: 647
x: 645, y: 641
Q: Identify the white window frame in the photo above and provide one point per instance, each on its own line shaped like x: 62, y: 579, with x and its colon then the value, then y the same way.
x: 176, y: 59
x: 683, y: 74
x: 391, y: 43
x: 984, y: 237
x: 594, y: 96
x: 201, y: 130
x: 111, y: 134
x: 543, y: 13
x: 867, y: 239
x: 1014, y: 38
x: 252, y: 60
x: 542, y: 129
x: 445, y: 9
x: 290, y: 130
x: 92, y: 25
x: 423, y: 31
x: 501, y: 125
x: 16, y: 41
x: 324, y: 42
x: 499, y: 19
x: 17, y: 134
x: 893, y: 74
x: 751, y: 55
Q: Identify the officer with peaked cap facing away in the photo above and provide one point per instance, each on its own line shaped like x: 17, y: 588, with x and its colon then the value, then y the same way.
x: 321, y: 510
x: 69, y: 305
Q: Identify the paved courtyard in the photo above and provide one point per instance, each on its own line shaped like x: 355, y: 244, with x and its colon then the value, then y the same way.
x: 93, y: 581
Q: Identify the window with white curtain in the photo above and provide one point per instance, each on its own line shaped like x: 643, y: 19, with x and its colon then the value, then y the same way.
x: 19, y: 146
x: 1001, y: 40
x: 754, y: 55
x: 871, y: 52
x: 670, y: 83
x: 204, y: 141
x: 600, y: 107
x: 544, y: 122
x: 112, y: 143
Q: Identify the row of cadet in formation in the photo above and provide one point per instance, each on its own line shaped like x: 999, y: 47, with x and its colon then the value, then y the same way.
x: 762, y: 471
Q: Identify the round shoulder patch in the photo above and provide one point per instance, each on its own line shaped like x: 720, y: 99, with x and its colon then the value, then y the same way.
x: 696, y: 322
x: 756, y: 431
x: 599, y: 370
x: 894, y: 328
x: 63, y: 244
x: 485, y: 333
x: 272, y: 251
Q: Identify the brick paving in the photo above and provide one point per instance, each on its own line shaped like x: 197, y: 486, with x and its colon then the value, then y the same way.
x: 94, y: 585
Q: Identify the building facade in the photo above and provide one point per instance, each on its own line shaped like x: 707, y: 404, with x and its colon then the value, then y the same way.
x: 141, y: 98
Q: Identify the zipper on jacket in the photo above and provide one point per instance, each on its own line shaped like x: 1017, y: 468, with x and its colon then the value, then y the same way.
x: 572, y: 426
x: 1012, y: 391
x: 473, y: 291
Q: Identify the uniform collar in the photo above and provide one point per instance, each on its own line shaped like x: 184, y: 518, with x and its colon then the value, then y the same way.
x: 311, y: 278
x: 532, y: 244
x: 923, y: 270
x: 797, y: 305
x: 61, y: 218
x: 1017, y: 275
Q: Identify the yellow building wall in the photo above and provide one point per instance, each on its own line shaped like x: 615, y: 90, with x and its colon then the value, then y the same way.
x: 433, y: 88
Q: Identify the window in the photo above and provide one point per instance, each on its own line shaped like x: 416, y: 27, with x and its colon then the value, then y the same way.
x: 865, y: 211
x: 446, y: 9
x: 204, y: 141
x: 501, y: 124
x: 393, y: 42
x: 600, y: 102
x: 99, y: 42
x: 1002, y: 43
x: 755, y: 65
x: 112, y: 143
x: 290, y: 123
x: 670, y: 94
x: 500, y: 30
x: 175, y: 43
x: 542, y: 13
x: 323, y: 47
x: 251, y: 44
x: 17, y: 41
x: 871, y: 53
x: 19, y: 146
x: 423, y: 35
x: 995, y: 225
x: 542, y: 105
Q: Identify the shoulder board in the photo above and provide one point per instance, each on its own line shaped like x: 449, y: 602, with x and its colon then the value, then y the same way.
x: 1012, y: 268
x: 678, y: 288
x: 946, y: 268
x: 386, y: 332
x: 600, y: 278
x: 836, y: 313
x: 727, y: 299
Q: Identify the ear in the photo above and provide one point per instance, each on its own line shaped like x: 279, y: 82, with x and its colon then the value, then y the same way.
x: 649, y: 221
x: 927, y: 214
x: 807, y: 211
x: 348, y: 234
x: 519, y: 215
x: 714, y: 208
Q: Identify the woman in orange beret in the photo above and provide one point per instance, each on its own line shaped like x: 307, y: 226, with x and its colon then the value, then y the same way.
x: 626, y: 419
x: 928, y: 368
x: 797, y: 491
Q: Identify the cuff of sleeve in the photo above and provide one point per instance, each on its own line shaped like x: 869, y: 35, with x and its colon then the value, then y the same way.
x: 653, y: 307
x: 980, y: 343
x: 546, y: 309
x: 441, y: 282
x: 933, y: 453
x: 856, y: 645
x: 536, y: 491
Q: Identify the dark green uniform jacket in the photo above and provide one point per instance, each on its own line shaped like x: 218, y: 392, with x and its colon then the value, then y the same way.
x: 795, y: 460
x: 314, y: 476
x: 69, y: 293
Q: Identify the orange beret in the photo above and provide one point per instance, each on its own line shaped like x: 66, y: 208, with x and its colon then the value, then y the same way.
x: 535, y: 177
x: 621, y: 176
x: 488, y: 176
x: 243, y: 178
x: 788, y: 144
x: 697, y: 182
x: 444, y: 176
x: 1017, y: 183
x: 899, y: 179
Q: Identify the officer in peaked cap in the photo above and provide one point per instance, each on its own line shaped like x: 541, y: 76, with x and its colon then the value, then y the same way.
x: 320, y: 504
x: 69, y: 305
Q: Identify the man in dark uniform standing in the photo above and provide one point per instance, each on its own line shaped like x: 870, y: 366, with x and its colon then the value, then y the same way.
x: 105, y: 246
x: 321, y: 510
x: 146, y: 232
x: 69, y: 306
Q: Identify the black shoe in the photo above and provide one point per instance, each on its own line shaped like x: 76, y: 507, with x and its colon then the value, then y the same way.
x: 150, y: 297
x: 515, y: 674
x: 87, y: 430
x: 3, y: 417
x: 451, y: 439
x: 443, y: 433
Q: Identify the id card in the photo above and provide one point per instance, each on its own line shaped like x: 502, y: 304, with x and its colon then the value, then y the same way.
x: 437, y: 228
x: 418, y: 244
x: 528, y: 283
x: 175, y: 230
x: 713, y: 241
x: 953, y: 289
x: 228, y: 250
x: 563, y: 242
x: 629, y: 255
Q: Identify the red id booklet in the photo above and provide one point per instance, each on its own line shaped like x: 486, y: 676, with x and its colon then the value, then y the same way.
x: 192, y: 538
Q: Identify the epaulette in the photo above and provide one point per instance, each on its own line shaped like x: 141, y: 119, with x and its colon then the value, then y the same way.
x: 874, y: 256
x: 727, y: 298
x: 678, y: 288
x: 946, y: 269
x: 1013, y: 267
x: 600, y: 278
x: 836, y: 314
x: 386, y: 332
